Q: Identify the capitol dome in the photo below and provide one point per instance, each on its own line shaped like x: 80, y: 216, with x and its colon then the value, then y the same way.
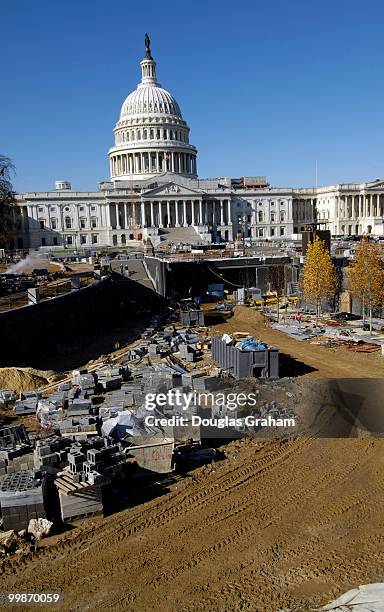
x: 150, y: 99
x: 151, y: 136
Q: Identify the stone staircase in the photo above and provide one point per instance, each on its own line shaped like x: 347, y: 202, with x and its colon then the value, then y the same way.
x: 185, y: 235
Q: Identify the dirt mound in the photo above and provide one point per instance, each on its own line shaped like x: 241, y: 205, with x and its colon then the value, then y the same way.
x: 24, y: 379
x: 277, y: 525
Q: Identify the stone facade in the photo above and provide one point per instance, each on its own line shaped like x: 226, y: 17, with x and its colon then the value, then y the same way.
x: 154, y: 186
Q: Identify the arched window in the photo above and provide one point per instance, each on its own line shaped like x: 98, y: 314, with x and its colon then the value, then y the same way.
x: 138, y: 135
x: 369, y: 229
x: 114, y: 240
x: 145, y: 135
x: 131, y: 236
x: 123, y: 239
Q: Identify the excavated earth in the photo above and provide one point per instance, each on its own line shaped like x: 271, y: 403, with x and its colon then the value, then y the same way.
x: 276, y: 525
x: 283, y: 524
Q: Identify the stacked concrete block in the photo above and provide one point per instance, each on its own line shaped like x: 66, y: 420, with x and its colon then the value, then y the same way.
x: 75, y: 461
x: 3, y: 468
x: 73, y: 394
x: 79, y: 407
x: 205, y: 383
x: 188, y: 352
x: 21, y: 499
x: 192, y: 317
x: 50, y: 454
x: 24, y: 407
x: 31, y: 395
x: 13, y: 437
x: 74, y: 427
x: 59, y: 399
x: 87, y: 382
x: 76, y: 374
x: 81, y: 503
x: 112, y: 383
x: 7, y: 397
x: 64, y: 387
x: 188, y: 378
x: 21, y: 463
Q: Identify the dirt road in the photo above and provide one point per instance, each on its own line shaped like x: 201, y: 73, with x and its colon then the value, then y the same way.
x: 303, y: 357
x: 276, y: 525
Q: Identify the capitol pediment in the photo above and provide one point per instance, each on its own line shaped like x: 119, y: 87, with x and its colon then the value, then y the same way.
x: 171, y: 189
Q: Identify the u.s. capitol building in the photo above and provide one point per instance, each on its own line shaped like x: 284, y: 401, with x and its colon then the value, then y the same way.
x: 154, y: 191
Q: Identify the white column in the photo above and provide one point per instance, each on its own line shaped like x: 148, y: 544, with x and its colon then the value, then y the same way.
x: 152, y: 215
x: 185, y: 214
x: 169, y: 213
x: 172, y: 162
x: 142, y: 214
x: 221, y: 212
x: 117, y: 217
x: 177, y: 212
x: 229, y: 212
x: 193, y: 212
x: 201, y: 212
x: 160, y: 215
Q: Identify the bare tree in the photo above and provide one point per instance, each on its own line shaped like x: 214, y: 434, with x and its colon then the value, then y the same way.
x: 7, y: 200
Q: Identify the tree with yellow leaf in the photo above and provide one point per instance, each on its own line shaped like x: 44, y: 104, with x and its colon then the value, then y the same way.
x: 366, y: 276
x: 319, y: 279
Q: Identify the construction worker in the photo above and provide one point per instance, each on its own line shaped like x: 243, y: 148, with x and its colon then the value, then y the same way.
x: 298, y: 318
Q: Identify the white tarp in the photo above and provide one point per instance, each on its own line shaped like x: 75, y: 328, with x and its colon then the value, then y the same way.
x: 365, y: 598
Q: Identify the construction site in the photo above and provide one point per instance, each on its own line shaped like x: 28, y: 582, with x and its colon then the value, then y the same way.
x: 131, y: 475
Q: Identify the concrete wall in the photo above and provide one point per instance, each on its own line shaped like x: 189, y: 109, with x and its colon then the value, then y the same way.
x: 157, y: 272
x: 38, y: 330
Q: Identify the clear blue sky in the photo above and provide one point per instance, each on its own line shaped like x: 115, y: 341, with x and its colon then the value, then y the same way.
x: 266, y: 87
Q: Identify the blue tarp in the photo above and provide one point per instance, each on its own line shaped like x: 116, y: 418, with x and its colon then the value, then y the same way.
x: 250, y: 344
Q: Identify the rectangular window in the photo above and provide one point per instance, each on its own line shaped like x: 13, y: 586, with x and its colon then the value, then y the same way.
x: 42, y: 223
x: 82, y: 223
x: 54, y: 241
x: 93, y: 222
x: 261, y: 233
x: 83, y: 239
x: 93, y: 207
x: 41, y: 209
x: 53, y: 209
x: 68, y: 223
x: 94, y: 239
x: 282, y: 231
x: 82, y: 208
x: 53, y: 223
x: 272, y: 231
x: 69, y: 239
x: 43, y: 242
